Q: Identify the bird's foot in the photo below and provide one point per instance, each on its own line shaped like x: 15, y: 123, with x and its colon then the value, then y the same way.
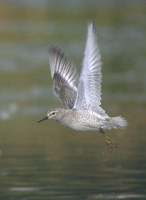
x: 111, y: 144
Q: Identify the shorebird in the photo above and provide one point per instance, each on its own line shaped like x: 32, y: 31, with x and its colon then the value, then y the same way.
x: 81, y: 94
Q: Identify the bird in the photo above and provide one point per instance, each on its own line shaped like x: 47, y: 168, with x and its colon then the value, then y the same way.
x: 80, y: 94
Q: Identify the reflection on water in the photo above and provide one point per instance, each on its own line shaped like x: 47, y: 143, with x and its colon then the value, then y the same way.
x: 49, y: 161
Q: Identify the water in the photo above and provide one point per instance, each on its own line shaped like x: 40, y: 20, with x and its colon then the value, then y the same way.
x: 50, y: 161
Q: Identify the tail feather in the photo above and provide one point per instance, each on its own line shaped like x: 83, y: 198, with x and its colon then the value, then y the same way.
x: 116, y: 123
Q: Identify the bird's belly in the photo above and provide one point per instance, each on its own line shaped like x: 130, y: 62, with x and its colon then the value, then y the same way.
x: 82, y: 124
x: 84, y: 128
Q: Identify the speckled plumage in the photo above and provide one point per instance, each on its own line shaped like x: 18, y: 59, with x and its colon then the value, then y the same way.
x: 81, y: 95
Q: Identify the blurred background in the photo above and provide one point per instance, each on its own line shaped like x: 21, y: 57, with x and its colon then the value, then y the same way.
x: 48, y: 160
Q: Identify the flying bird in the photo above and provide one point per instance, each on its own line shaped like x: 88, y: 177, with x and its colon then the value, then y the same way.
x: 81, y: 94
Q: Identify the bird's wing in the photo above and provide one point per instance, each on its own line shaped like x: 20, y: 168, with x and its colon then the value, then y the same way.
x: 65, y: 77
x: 89, y: 86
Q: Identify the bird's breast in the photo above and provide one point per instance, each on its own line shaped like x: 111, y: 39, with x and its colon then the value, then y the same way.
x: 81, y: 121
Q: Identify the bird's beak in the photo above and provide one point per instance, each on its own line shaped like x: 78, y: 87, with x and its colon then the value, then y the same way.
x: 45, y: 118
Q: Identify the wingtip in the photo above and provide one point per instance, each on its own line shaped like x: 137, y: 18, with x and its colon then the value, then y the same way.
x: 91, y: 23
x: 52, y: 49
x: 91, y: 27
x: 55, y: 50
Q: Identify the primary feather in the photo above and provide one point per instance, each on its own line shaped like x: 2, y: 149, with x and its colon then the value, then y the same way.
x: 65, y: 77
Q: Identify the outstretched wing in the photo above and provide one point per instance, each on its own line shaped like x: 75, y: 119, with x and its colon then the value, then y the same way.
x: 65, y: 77
x: 89, y: 86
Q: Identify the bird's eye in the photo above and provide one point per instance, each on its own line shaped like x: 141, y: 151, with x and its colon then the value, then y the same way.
x: 53, y: 113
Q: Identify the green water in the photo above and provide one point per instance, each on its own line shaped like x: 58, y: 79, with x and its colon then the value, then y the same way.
x: 48, y: 160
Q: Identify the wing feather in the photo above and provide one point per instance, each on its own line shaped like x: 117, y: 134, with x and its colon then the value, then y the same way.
x: 65, y: 77
x: 89, y: 86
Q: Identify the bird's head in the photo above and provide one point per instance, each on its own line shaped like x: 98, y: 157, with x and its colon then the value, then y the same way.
x: 54, y: 114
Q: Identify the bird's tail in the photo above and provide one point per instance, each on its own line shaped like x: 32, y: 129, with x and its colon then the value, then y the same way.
x: 115, y: 122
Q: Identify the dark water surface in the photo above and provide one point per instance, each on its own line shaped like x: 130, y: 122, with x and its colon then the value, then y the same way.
x: 48, y: 160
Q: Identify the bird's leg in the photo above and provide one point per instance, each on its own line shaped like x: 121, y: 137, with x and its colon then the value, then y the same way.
x: 111, y: 144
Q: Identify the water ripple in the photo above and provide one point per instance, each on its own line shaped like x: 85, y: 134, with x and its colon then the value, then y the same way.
x: 118, y: 196
x: 23, y: 189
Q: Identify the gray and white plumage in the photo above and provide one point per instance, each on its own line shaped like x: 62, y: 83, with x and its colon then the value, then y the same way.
x: 65, y: 77
x: 81, y: 94
x: 89, y: 86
